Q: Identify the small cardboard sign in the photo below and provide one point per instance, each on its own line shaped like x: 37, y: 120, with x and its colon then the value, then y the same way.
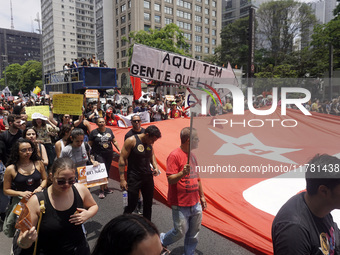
x: 92, y: 176
x: 91, y: 93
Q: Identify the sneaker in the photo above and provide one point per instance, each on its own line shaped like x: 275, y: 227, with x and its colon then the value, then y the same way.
x: 108, y: 191
x: 101, y: 195
x: 139, y: 207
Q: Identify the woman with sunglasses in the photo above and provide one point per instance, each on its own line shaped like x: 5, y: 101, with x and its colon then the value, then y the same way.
x: 129, y: 234
x: 101, y: 140
x: 31, y: 134
x: 68, y: 205
x: 25, y: 175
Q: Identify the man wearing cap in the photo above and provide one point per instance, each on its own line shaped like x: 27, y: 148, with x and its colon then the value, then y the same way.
x: 112, y: 119
x: 304, y: 224
x: 174, y: 112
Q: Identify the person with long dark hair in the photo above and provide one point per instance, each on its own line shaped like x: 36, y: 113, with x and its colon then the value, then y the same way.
x: 25, y: 175
x: 64, y: 135
x: 129, y: 234
x: 31, y: 134
x: 68, y: 205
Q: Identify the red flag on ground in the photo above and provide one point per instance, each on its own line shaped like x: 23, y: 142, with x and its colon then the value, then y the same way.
x: 137, y: 87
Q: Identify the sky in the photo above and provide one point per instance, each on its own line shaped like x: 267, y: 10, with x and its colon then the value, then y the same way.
x: 24, y: 11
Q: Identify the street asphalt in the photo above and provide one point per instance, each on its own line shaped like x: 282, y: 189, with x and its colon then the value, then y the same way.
x: 210, y: 243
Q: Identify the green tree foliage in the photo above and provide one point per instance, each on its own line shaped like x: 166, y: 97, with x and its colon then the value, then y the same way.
x: 234, y: 48
x: 25, y: 77
x: 280, y: 23
x: 169, y: 38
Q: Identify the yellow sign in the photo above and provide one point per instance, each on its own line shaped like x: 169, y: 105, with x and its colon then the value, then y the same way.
x: 68, y: 104
x: 43, y: 109
x: 91, y: 93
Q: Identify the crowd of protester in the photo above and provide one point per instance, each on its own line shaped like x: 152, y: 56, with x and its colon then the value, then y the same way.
x: 36, y: 148
x: 83, y: 62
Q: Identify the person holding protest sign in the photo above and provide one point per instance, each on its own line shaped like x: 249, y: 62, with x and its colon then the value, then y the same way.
x: 138, y: 153
x: 85, y: 125
x: 25, y: 174
x: 44, y: 133
x: 67, y: 206
x: 101, y: 140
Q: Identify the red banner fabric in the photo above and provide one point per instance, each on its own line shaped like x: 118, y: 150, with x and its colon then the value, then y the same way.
x: 232, y: 211
x: 137, y: 87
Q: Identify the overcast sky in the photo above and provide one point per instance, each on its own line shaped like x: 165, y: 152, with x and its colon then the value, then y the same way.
x: 24, y: 11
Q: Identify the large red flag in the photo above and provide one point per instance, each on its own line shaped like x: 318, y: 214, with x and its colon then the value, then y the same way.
x: 137, y: 87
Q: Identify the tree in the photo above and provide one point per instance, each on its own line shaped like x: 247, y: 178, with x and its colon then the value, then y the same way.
x: 25, y: 77
x: 234, y: 48
x: 280, y: 24
x: 169, y: 38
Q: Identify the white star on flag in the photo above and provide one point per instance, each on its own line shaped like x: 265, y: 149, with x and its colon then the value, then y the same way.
x: 248, y: 144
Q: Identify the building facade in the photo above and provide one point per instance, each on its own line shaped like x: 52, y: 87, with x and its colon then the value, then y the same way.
x: 68, y: 32
x: 18, y: 47
x: 200, y: 20
x: 104, y: 31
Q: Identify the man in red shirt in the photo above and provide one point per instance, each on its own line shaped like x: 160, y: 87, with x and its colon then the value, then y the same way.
x: 174, y: 112
x: 184, y: 195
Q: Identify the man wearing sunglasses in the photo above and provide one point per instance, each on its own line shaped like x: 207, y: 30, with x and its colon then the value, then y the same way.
x: 137, y: 151
x: 136, y: 127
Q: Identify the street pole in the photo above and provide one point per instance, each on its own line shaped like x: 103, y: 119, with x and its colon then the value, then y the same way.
x: 330, y: 71
x: 251, y: 50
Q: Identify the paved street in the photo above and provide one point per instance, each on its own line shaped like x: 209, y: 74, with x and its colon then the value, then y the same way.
x: 210, y: 243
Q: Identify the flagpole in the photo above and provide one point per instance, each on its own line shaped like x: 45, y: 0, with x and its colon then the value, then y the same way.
x: 191, y: 123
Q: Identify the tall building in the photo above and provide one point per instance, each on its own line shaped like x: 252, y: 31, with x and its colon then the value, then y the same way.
x: 104, y: 31
x: 236, y: 9
x: 68, y: 32
x: 324, y: 10
x: 200, y: 20
x: 18, y: 47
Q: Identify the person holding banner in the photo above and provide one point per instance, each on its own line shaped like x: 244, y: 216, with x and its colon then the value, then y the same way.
x: 138, y: 153
x: 185, y: 194
x: 25, y: 174
x: 68, y: 205
x: 101, y: 140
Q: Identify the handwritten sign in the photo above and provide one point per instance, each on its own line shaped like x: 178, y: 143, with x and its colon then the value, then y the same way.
x: 92, y: 176
x: 91, y: 93
x: 43, y: 109
x: 170, y: 97
x: 68, y: 104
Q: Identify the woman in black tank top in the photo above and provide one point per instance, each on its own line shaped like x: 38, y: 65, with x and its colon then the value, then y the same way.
x: 25, y: 173
x: 68, y: 205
